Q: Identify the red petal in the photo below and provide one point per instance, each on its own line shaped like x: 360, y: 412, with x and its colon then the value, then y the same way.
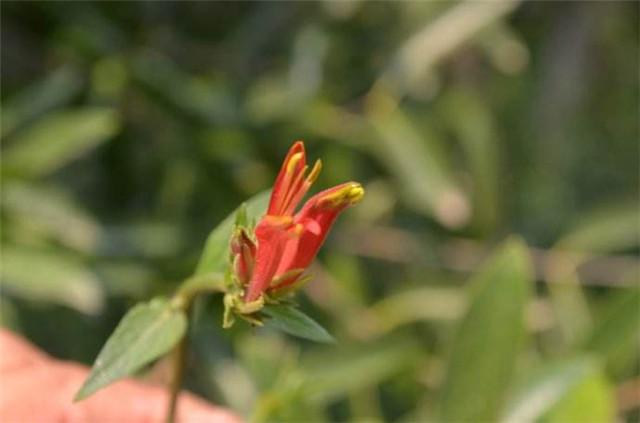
x: 285, y: 178
x: 292, y: 182
x: 272, y: 234
x: 316, y: 218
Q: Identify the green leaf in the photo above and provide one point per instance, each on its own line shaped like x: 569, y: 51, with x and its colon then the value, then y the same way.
x: 336, y: 372
x: 552, y: 392
x: 615, y: 336
x: 58, y: 138
x: 195, y: 97
x: 326, y: 376
x: 414, y: 155
x: 605, y: 230
x: 294, y: 322
x: 215, y: 256
x: 50, y: 277
x: 145, y: 238
x: 52, y: 213
x: 590, y: 400
x: 473, y: 124
x: 408, y: 306
x: 431, y: 44
x: 488, y: 340
x: 146, y: 332
x: 55, y: 89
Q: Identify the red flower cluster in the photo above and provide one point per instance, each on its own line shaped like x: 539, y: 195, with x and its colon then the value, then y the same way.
x: 286, y: 242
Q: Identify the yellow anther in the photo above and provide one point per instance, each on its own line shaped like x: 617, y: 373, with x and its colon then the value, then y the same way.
x: 349, y: 194
x: 277, y: 221
x: 293, y: 162
x: 355, y: 194
x: 292, y: 190
x: 315, y: 171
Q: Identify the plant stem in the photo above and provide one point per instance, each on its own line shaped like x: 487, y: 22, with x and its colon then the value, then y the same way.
x: 179, y: 356
x: 184, y: 299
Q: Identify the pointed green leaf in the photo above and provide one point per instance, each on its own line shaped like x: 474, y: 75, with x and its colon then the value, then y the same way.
x: 591, y: 400
x: 414, y: 156
x: 294, y: 322
x: 479, y: 141
x: 554, y: 393
x: 58, y: 138
x: 53, y: 213
x: 327, y: 375
x: 605, y: 230
x: 50, y: 276
x: 181, y: 92
x: 336, y: 371
x: 615, y: 335
x: 56, y: 89
x: 215, y: 256
x: 488, y: 340
x: 145, y: 333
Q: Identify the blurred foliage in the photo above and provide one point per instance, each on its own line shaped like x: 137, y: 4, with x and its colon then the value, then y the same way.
x: 131, y: 129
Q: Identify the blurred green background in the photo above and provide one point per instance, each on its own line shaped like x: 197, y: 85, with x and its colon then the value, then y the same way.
x: 490, y: 274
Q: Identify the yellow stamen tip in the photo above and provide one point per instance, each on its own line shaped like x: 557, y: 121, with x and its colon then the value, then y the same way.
x: 277, y: 221
x: 315, y: 171
x: 293, y: 162
x: 351, y: 193
x: 355, y: 194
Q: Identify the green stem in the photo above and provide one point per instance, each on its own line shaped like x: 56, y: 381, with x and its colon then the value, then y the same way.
x: 183, y: 299
x: 178, y: 365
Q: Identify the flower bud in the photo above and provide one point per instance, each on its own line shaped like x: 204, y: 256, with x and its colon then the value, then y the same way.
x: 243, y: 252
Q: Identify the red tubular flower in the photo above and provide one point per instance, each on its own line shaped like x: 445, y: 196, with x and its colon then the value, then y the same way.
x: 287, y: 242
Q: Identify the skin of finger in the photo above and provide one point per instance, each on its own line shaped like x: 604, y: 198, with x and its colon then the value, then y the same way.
x: 38, y: 388
x: 15, y: 352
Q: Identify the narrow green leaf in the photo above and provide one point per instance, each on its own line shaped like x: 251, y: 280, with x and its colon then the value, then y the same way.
x: 57, y: 88
x: 50, y: 277
x: 424, y: 303
x: 146, y: 332
x: 488, y: 340
x: 145, y: 238
x: 196, y: 97
x: 57, y: 139
x: 323, y: 377
x: 335, y: 372
x: 294, y: 322
x: 615, y: 335
x: 215, y: 256
x: 52, y: 213
x: 606, y: 230
x: 591, y: 400
x: 545, y: 387
x: 439, y: 38
x: 414, y: 155
x: 474, y: 126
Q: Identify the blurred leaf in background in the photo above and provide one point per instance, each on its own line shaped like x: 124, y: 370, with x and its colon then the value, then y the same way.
x: 489, y: 338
